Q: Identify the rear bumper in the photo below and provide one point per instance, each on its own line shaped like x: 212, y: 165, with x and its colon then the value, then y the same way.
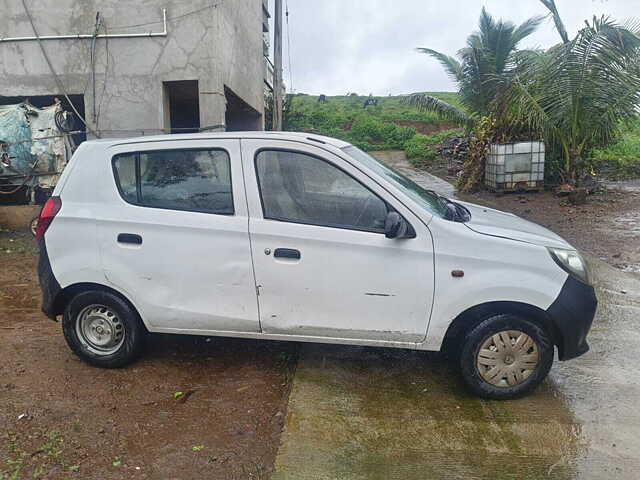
x: 48, y: 283
x: 571, y: 315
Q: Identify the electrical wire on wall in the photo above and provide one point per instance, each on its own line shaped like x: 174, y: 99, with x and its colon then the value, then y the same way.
x: 169, y: 19
x: 93, y: 64
x: 106, y: 73
x: 53, y: 71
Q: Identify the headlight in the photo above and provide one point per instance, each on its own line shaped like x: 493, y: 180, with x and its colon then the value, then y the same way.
x: 571, y: 262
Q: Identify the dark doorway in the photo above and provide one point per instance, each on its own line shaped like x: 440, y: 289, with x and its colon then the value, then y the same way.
x: 182, y: 106
x: 240, y: 116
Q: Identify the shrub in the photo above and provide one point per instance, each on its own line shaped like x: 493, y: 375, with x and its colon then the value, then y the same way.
x: 620, y: 159
x: 425, y: 147
x: 381, y: 135
x: 418, y: 146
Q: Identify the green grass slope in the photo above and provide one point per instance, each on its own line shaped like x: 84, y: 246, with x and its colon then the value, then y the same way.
x: 391, y: 124
x: 394, y: 125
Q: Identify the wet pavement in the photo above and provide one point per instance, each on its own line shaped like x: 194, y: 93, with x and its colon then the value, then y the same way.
x: 632, y: 185
x: 369, y: 413
x: 627, y: 226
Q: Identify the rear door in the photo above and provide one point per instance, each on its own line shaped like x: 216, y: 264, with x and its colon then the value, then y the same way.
x: 174, y: 235
x: 323, y: 265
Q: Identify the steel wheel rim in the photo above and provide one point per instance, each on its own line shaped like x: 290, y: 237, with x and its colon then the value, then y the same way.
x: 100, y: 330
x: 507, y: 358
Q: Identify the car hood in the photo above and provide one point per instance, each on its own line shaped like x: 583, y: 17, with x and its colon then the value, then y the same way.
x: 488, y: 221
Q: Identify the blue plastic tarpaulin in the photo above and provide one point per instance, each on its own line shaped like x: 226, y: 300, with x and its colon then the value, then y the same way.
x: 16, y: 132
x: 31, y: 146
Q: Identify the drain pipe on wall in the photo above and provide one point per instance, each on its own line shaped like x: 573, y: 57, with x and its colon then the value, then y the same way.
x: 77, y: 36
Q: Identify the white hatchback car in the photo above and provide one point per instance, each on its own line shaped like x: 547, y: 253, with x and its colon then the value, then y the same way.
x: 290, y: 236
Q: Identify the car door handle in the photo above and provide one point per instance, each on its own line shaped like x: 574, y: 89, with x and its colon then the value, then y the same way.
x: 130, y: 238
x: 287, y: 253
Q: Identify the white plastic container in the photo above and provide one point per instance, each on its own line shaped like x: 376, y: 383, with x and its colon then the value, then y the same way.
x: 515, y: 166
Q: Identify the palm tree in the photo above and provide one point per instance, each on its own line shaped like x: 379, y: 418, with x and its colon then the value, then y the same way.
x: 553, y: 11
x: 580, y: 93
x: 491, y: 52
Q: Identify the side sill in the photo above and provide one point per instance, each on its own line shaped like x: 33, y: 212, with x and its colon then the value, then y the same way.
x: 292, y: 338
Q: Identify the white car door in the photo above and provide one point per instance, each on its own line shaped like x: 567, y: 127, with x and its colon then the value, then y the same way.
x: 323, y: 265
x: 174, y: 235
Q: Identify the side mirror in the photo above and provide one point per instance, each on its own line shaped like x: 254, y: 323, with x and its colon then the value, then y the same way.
x: 397, y: 227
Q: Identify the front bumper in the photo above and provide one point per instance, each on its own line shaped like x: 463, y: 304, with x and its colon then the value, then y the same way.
x: 571, y: 315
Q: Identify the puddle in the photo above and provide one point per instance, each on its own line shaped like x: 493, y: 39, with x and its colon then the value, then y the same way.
x: 627, y: 228
x: 629, y: 224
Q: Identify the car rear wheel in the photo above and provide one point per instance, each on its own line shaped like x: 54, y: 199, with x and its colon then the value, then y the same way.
x: 102, y: 329
x: 505, y: 357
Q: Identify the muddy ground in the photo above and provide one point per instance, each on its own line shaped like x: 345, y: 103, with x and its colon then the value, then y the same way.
x: 62, y: 419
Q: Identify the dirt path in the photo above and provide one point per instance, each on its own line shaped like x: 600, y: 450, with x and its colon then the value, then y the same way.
x: 60, y: 418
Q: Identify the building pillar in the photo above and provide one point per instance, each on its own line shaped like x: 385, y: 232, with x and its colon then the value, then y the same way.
x: 213, y: 105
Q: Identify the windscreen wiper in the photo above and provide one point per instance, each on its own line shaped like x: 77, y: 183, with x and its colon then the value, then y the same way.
x: 453, y: 210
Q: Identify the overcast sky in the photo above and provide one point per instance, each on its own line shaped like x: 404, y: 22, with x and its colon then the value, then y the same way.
x: 368, y: 46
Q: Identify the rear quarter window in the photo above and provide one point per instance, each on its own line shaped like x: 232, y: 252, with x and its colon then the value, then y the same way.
x: 196, y: 180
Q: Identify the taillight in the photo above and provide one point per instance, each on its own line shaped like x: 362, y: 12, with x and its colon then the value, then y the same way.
x: 47, y: 214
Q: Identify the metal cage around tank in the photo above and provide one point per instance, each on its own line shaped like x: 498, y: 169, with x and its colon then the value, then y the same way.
x: 515, y: 166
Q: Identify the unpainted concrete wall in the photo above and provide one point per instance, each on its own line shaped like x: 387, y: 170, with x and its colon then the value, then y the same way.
x: 217, y: 46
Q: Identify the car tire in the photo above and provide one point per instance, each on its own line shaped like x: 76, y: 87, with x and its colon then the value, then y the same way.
x: 505, y: 357
x: 102, y: 329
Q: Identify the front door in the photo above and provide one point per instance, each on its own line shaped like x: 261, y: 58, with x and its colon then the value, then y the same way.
x: 175, y: 239
x: 323, y: 265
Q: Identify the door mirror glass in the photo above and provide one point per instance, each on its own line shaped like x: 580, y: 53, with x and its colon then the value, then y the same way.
x: 397, y: 227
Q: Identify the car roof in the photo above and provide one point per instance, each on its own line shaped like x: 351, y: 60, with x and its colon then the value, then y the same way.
x: 296, y: 136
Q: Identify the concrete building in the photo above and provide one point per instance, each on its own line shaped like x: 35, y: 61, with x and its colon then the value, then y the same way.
x: 140, y: 66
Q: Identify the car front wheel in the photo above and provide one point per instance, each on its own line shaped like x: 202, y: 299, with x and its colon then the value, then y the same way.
x: 505, y: 357
x: 102, y: 329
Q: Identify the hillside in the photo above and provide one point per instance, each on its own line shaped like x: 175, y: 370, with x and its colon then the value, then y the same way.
x: 391, y: 124
x: 394, y: 125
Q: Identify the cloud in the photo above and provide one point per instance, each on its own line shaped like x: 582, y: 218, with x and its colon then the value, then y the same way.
x: 368, y: 46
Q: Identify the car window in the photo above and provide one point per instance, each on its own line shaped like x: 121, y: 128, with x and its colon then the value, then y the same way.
x: 300, y: 188
x: 427, y: 199
x: 195, y: 180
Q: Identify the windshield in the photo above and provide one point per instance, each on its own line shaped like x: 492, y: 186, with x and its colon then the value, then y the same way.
x: 423, y: 197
